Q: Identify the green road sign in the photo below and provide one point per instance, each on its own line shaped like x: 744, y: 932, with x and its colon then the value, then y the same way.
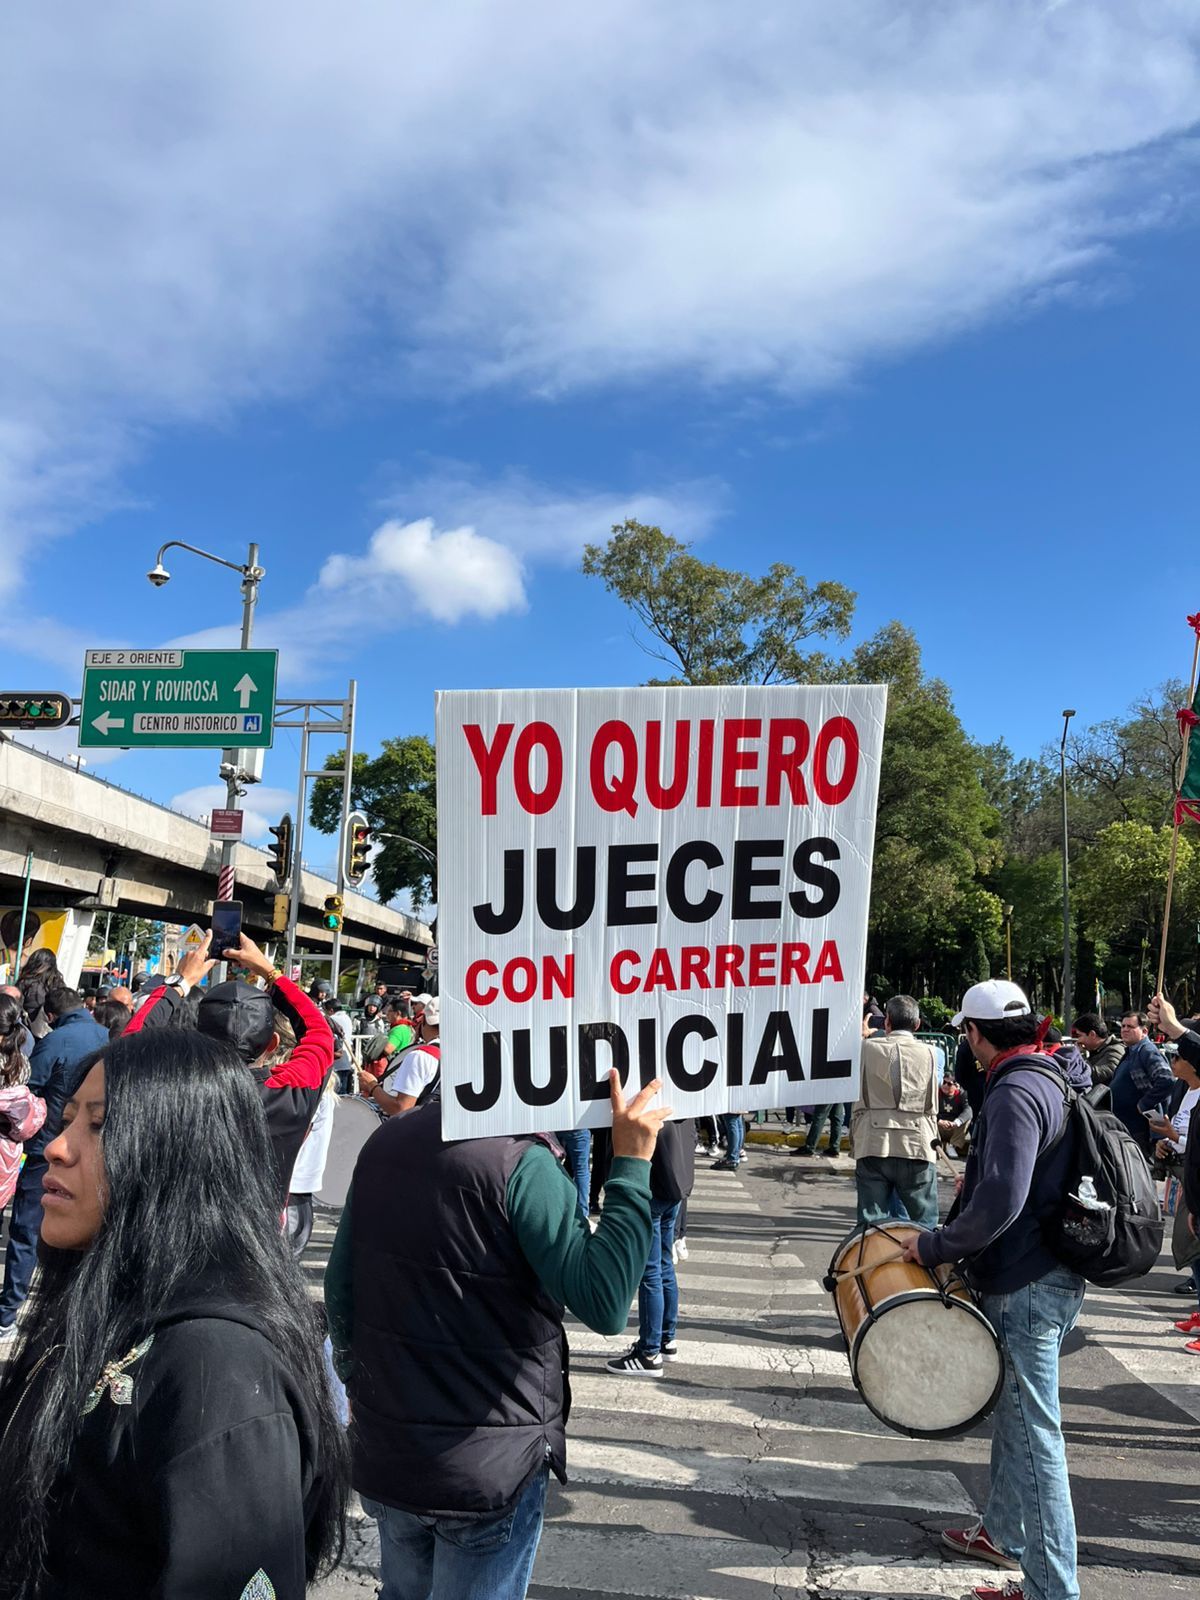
x: 187, y: 699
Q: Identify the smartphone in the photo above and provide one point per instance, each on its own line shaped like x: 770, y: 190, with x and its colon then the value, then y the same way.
x: 226, y: 927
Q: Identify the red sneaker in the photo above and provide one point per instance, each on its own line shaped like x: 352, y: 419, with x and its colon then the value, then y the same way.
x: 1192, y: 1325
x: 1194, y: 1346
x: 1011, y: 1590
x: 974, y: 1545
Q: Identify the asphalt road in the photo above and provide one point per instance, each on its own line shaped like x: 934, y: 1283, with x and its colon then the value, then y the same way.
x: 752, y: 1471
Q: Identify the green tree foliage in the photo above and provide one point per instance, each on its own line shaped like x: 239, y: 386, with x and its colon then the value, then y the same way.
x: 934, y: 926
x: 711, y: 625
x: 121, y: 930
x: 397, y: 789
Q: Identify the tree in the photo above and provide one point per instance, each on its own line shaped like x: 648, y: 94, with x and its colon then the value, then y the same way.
x: 1121, y: 885
x: 397, y: 789
x: 712, y: 625
x: 934, y: 926
x: 146, y: 935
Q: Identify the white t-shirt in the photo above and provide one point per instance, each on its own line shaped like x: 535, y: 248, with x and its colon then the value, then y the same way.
x: 414, y: 1071
x: 309, y: 1172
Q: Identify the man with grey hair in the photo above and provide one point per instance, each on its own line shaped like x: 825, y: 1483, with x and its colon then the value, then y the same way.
x: 894, y: 1125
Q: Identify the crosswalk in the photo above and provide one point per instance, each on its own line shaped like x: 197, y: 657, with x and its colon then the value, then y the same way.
x: 751, y: 1470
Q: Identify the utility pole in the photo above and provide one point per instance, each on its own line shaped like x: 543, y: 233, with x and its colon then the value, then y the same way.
x: 1066, y: 875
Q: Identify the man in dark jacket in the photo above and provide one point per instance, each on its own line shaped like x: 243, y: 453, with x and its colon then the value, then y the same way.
x: 1103, y: 1049
x: 1017, y: 1173
x: 445, y: 1292
x: 1142, y: 1081
x: 54, y: 1066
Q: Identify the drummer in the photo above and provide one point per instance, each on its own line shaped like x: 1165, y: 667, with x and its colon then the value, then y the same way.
x: 1030, y: 1299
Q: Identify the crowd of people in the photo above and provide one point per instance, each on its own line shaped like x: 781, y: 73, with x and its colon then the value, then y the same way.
x: 154, y: 1367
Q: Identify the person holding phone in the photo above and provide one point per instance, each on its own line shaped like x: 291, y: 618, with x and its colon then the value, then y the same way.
x: 243, y: 1016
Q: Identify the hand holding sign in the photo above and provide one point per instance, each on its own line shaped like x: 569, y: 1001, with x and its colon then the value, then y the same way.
x: 634, y: 1129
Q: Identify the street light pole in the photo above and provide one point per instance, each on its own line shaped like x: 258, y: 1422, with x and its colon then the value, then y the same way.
x: 1008, y: 911
x: 252, y: 576
x: 1066, y: 875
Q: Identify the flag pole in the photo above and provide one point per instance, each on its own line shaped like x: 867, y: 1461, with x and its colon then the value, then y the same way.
x: 1183, y: 763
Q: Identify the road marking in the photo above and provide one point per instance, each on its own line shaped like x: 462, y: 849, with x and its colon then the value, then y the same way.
x: 768, y: 1478
x: 1146, y: 1344
x: 667, y: 1566
x: 748, y: 1408
x: 782, y: 1359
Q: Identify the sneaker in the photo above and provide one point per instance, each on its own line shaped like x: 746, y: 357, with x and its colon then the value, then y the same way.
x: 724, y: 1165
x: 702, y: 1149
x: 1186, y: 1287
x: 831, y: 1152
x: 635, y: 1364
x: 974, y: 1544
x: 1193, y: 1347
x: 1192, y: 1325
x: 802, y: 1150
x: 669, y: 1349
x: 1009, y: 1590
x: 681, y: 1249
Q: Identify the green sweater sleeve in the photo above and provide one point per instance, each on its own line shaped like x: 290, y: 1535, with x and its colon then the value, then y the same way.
x: 593, y: 1274
x: 339, y: 1294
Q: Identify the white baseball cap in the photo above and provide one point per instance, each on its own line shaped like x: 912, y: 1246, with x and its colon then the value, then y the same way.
x: 992, y: 1002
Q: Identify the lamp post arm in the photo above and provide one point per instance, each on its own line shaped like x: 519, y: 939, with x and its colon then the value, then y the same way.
x: 234, y: 566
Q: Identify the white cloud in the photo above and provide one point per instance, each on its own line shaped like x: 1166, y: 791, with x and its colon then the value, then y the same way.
x: 261, y: 808
x: 208, y: 204
x: 448, y: 575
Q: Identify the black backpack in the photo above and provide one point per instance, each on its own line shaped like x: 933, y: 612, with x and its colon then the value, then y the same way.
x: 1122, y: 1238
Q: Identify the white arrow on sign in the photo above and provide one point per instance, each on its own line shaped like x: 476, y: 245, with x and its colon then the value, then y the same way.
x: 245, y: 687
x: 106, y: 722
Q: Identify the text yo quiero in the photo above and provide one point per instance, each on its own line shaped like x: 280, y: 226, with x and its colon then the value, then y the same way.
x: 673, y: 882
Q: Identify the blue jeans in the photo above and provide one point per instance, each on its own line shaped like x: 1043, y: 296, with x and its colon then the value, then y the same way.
x: 456, y: 1558
x: 1029, y: 1512
x: 836, y: 1115
x: 735, y: 1134
x: 884, y: 1180
x: 578, y: 1147
x: 658, y: 1292
x: 24, y: 1225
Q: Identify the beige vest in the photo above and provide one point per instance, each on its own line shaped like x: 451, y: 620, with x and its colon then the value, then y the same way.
x: 891, y: 1123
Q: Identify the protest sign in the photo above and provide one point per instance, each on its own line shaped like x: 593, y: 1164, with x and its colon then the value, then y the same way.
x: 673, y: 882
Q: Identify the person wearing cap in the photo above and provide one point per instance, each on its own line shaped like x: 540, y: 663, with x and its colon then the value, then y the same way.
x: 241, y: 1015
x: 414, y: 1076
x: 1013, y: 1179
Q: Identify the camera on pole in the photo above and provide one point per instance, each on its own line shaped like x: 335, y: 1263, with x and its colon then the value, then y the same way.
x: 279, y: 855
x: 358, y: 844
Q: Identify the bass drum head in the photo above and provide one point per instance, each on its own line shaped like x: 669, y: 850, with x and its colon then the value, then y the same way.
x: 926, y: 1368
x: 354, y: 1122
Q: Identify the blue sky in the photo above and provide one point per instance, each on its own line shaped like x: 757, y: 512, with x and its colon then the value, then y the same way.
x: 902, y: 294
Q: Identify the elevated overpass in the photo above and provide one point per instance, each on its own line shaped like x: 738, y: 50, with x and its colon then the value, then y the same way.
x: 97, y: 847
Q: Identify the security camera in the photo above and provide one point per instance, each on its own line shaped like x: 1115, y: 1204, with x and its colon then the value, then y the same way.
x: 159, y: 576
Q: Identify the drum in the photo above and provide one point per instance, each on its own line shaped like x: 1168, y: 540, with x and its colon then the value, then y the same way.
x: 355, y: 1122
x: 922, y: 1354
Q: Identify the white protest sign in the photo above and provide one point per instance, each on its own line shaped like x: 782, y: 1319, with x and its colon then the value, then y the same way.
x: 670, y: 881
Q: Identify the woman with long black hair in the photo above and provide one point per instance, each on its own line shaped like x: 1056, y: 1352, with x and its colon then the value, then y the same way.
x: 39, y: 977
x: 166, y: 1428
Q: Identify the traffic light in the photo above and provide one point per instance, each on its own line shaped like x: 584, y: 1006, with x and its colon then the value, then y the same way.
x: 332, y: 918
x: 358, y: 842
x: 279, y: 916
x: 24, y: 710
x: 279, y: 855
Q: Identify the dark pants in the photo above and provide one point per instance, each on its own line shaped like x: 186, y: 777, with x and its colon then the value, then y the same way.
x: 24, y: 1225
x: 837, y: 1120
x: 299, y: 1223
x: 577, y: 1144
x: 884, y: 1180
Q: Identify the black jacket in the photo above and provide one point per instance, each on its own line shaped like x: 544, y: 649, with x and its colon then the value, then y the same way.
x: 202, y: 1481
